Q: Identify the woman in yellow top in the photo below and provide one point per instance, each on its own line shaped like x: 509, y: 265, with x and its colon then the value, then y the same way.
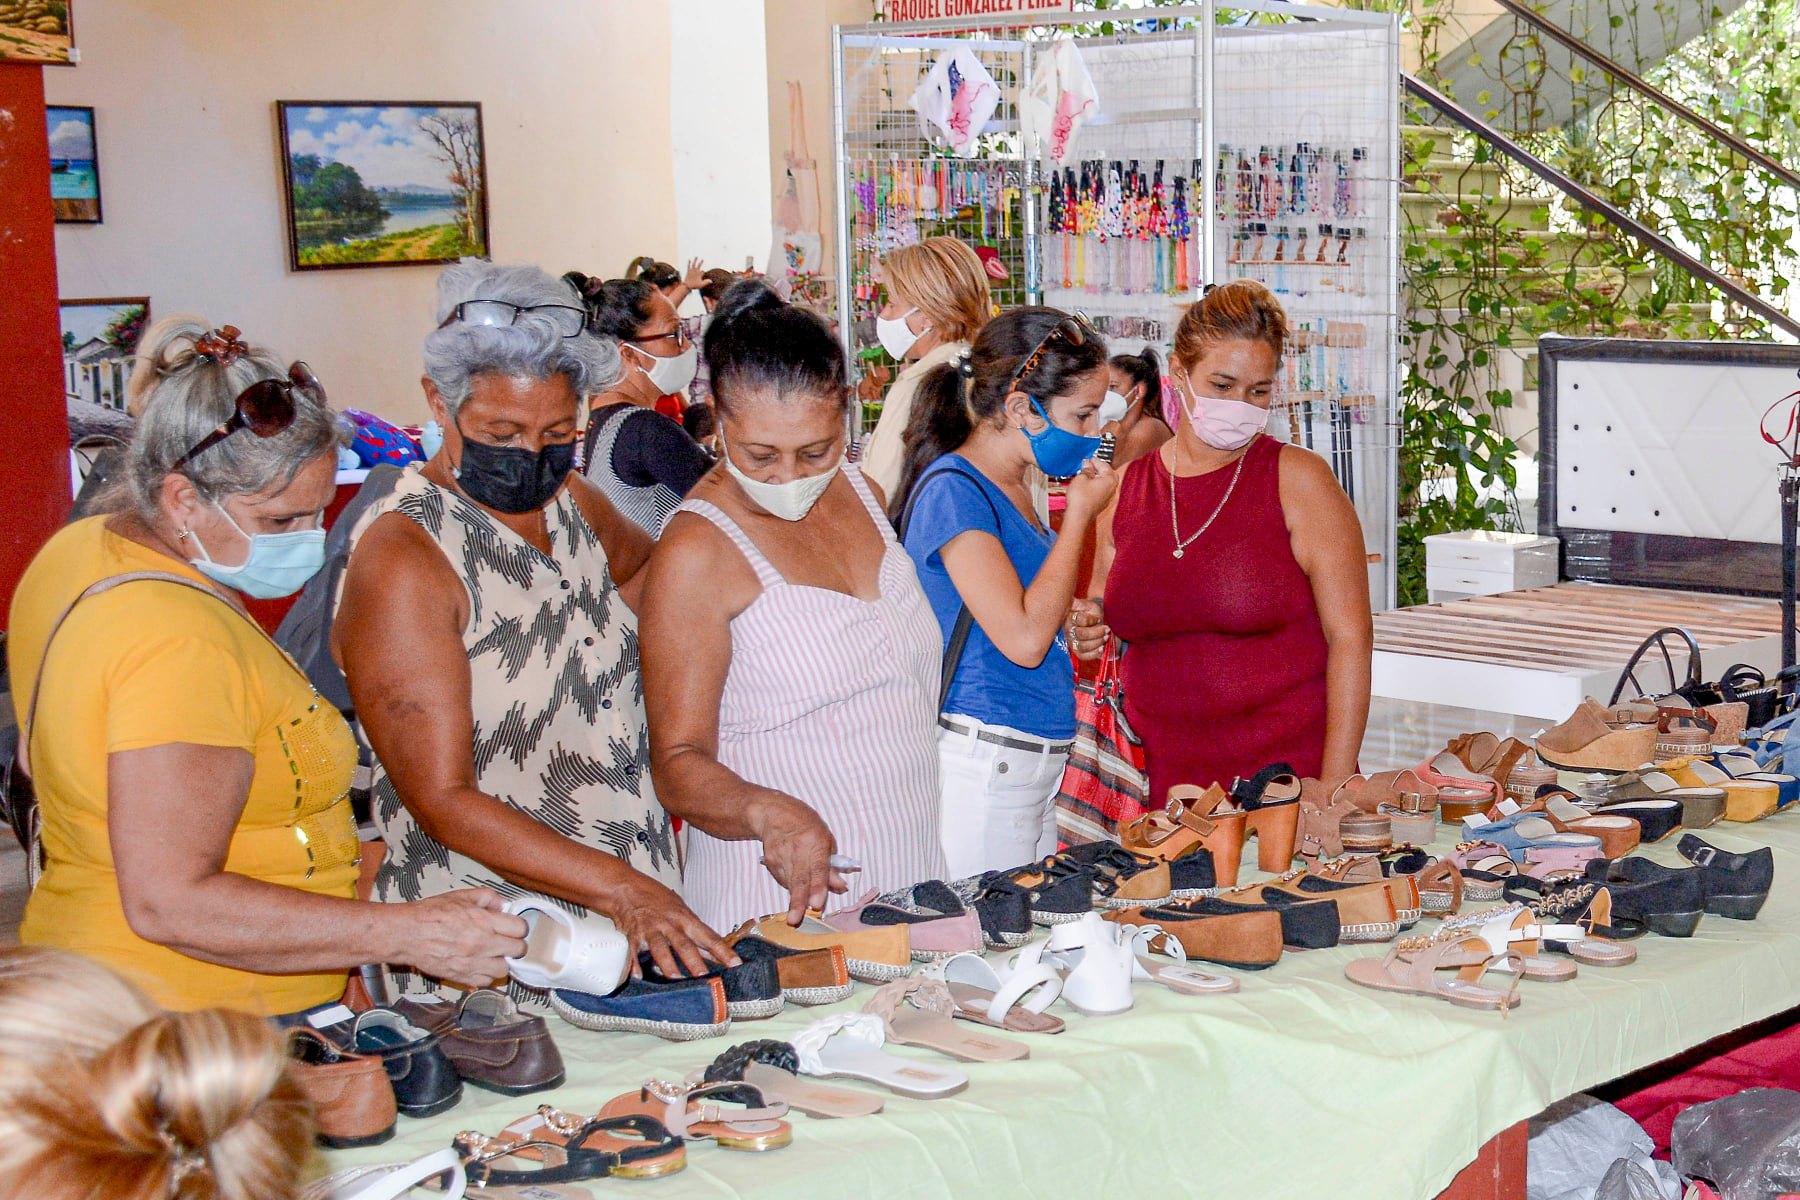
x: 194, y: 788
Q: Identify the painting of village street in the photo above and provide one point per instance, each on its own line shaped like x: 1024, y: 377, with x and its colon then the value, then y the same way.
x: 371, y: 184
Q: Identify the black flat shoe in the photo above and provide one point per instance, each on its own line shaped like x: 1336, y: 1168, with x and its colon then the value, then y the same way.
x: 1057, y: 889
x: 1305, y: 924
x: 1664, y: 899
x: 752, y: 988
x: 1004, y: 911
x: 1656, y: 818
x: 1736, y: 884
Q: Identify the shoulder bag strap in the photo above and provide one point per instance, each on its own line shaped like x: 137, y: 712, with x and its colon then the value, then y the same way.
x: 965, y: 620
x: 94, y: 589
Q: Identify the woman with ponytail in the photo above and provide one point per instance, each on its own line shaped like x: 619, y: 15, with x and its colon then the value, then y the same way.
x: 790, y: 660
x: 1026, y: 396
x: 1133, y: 409
x: 102, y: 1094
x: 1234, y: 567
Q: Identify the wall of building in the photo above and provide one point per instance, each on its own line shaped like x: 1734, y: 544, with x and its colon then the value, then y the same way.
x: 579, y: 129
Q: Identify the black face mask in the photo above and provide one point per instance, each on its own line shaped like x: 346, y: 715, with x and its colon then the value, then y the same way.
x: 511, y: 480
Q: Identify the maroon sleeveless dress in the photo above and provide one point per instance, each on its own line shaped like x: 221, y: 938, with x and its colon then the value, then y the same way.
x: 1225, y: 673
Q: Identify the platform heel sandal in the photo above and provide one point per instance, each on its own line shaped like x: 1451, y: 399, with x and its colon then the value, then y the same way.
x: 1194, y: 818
x: 1270, y: 800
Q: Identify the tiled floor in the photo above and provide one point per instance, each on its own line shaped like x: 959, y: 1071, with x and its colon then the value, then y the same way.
x: 1401, y: 733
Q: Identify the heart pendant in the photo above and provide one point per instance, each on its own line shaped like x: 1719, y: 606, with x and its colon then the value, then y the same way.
x: 1178, y: 552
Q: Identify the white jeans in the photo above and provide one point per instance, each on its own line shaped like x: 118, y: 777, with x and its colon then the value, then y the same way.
x: 999, y: 801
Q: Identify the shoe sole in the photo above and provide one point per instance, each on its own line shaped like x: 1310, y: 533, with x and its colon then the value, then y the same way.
x: 517, y: 1089
x: 1738, y: 908
x: 1193, y: 893
x: 811, y: 997
x: 1375, y: 931
x: 419, y: 1112
x: 673, y: 1031
x: 1115, y: 902
x: 354, y: 1143
x: 1006, y: 941
x: 931, y: 956
x: 869, y: 971
x: 1680, y: 924
x: 1045, y: 917
x: 754, y: 1010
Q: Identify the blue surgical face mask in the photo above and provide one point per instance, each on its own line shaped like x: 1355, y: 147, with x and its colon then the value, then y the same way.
x: 279, y: 564
x: 1059, y: 453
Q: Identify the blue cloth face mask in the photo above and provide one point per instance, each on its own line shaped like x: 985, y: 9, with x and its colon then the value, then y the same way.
x: 279, y: 564
x: 1059, y: 453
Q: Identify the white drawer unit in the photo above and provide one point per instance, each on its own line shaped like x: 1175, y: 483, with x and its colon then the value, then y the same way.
x: 1480, y: 562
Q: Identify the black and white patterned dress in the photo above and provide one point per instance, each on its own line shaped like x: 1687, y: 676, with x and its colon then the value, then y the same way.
x: 556, y: 697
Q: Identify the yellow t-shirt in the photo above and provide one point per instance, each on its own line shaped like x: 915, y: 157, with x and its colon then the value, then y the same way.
x: 150, y: 664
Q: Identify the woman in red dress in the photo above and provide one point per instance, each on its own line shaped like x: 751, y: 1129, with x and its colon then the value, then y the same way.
x: 1234, y: 569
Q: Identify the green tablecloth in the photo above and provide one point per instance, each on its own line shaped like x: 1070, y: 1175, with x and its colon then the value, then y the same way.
x: 1301, y: 1084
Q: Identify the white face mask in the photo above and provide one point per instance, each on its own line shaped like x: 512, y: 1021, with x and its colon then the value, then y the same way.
x: 896, y: 336
x: 1113, y: 408
x: 670, y: 375
x: 790, y: 501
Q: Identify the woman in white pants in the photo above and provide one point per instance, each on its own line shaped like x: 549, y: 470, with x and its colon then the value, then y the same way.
x: 1000, y: 583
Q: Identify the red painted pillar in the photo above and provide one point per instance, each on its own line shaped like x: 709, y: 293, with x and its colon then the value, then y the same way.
x: 34, y: 420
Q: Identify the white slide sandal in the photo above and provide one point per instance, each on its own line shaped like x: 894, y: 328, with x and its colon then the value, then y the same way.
x: 850, y: 1047
x: 578, y: 954
x: 1148, y: 943
x: 392, y: 1180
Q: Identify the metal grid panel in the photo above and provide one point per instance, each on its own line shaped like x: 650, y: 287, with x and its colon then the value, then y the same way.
x: 1131, y: 253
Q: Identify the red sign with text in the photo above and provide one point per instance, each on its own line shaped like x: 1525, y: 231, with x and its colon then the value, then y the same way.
x: 976, y: 12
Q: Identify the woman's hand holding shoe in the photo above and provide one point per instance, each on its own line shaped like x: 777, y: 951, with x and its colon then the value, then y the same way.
x: 654, y: 918
x: 463, y: 937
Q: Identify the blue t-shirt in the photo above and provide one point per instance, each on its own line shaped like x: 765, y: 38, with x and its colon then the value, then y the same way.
x: 952, y: 497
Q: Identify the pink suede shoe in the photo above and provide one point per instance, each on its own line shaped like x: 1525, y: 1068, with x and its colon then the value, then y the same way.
x: 938, y: 931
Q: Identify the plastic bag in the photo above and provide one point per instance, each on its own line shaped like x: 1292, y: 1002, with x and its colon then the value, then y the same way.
x: 1628, y: 1179
x: 1747, y: 1145
x: 1576, y: 1144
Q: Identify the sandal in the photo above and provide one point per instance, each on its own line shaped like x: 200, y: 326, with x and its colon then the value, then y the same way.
x: 1485, y: 867
x: 1096, y: 962
x: 1194, y: 819
x: 1322, y: 817
x: 544, y: 1134
x: 1440, y: 884
x: 1148, y: 943
x: 732, y: 1115
x: 1211, y: 930
x: 1461, y: 792
x: 593, y: 1151
x: 917, y: 1011
x: 1586, y: 742
x: 1656, y: 819
x: 1746, y: 799
x: 1415, y: 966
x: 1588, y: 908
x: 775, y: 1068
x: 1270, y: 801
x: 1741, y: 764
x: 1661, y: 899
x: 390, y: 1181
x: 1485, y: 754
x: 1515, y: 935
x: 850, y: 1047
x: 1619, y: 835
x: 1529, y: 837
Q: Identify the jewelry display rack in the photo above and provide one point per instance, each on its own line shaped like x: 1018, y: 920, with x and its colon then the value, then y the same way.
x: 1255, y: 139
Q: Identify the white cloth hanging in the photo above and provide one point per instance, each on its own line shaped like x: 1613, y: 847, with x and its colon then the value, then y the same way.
x: 1058, y: 99
x: 958, y: 97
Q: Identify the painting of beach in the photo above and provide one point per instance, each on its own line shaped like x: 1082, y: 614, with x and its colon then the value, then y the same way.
x: 74, y: 165
x: 380, y: 184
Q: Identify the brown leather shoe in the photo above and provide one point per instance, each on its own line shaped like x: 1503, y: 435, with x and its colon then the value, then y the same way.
x: 489, y: 1041
x: 1216, y: 932
x: 352, y: 1099
x: 807, y: 977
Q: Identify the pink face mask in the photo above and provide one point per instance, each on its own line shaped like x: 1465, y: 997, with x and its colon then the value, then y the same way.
x: 1223, y: 424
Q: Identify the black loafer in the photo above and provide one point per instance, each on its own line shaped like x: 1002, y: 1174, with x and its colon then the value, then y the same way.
x: 1656, y: 818
x: 1736, y: 884
x: 1004, y: 913
x: 425, y: 1082
x: 1305, y: 924
x: 1056, y: 890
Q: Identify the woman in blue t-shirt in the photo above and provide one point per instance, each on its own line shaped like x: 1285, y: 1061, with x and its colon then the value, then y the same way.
x: 1001, y: 584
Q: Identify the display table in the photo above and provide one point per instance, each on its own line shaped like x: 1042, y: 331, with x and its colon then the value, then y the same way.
x: 1300, y: 1084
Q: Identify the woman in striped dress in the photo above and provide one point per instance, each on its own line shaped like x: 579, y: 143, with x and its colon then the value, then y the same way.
x: 791, y: 661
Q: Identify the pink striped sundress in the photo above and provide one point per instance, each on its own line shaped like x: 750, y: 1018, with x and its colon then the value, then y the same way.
x: 833, y: 700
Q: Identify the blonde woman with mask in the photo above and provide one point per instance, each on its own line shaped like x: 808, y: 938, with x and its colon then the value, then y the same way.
x: 1235, y: 570
x: 937, y: 301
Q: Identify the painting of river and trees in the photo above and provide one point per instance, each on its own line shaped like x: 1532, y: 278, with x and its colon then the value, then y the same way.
x: 373, y: 184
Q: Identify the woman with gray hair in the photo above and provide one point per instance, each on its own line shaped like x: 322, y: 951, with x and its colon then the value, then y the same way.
x: 488, y: 635
x: 193, y: 788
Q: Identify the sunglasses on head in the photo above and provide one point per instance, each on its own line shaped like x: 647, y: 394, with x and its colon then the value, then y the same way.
x: 1075, y: 330
x: 568, y: 319
x: 265, y: 408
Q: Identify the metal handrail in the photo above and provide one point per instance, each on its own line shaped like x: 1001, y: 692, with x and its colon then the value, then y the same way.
x: 1637, y: 82
x: 1733, y: 290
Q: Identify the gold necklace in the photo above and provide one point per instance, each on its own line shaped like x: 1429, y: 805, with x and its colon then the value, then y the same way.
x: 1182, y: 544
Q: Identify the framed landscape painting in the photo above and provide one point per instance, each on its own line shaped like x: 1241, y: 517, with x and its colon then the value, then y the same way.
x: 37, y: 31
x: 382, y: 183
x: 74, y: 165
